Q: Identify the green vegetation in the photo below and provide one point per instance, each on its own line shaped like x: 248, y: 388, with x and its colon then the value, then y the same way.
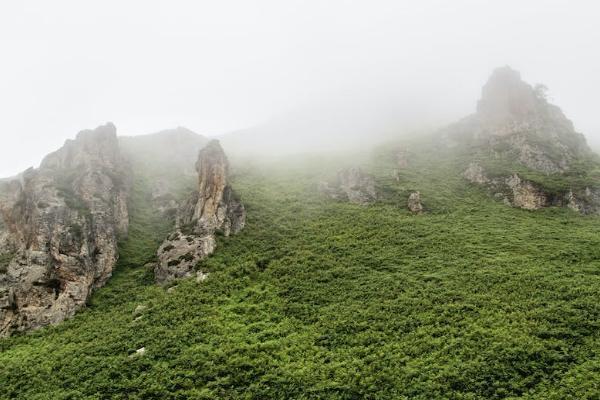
x: 318, y: 299
x: 5, y: 259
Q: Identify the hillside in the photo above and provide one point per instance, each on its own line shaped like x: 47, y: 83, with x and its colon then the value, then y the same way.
x: 323, y: 299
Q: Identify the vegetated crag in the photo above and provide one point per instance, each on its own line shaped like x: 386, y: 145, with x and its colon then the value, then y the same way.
x: 524, y: 150
x: 212, y: 209
x: 514, y: 121
x: 59, y: 229
x: 522, y: 193
x: 351, y: 184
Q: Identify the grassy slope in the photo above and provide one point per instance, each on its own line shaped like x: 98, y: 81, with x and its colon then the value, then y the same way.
x: 317, y: 299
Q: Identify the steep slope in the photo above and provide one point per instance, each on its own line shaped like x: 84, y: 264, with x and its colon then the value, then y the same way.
x: 321, y: 299
x: 59, y: 231
x: 212, y: 208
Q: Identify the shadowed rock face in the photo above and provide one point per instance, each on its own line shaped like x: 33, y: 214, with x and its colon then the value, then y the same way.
x: 514, y: 120
x: 213, y: 208
x: 59, y: 230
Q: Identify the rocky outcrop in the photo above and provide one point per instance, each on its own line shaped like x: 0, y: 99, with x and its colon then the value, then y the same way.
x: 59, y: 230
x: 475, y: 174
x: 414, y: 203
x: 517, y: 129
x: 525, y: 194
x: 352, y: 185
x: 518, y: 192
x: 515, y: 122
x: 212, y: 209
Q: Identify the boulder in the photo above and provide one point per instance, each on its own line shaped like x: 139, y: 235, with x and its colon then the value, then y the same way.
x: 414, y: 203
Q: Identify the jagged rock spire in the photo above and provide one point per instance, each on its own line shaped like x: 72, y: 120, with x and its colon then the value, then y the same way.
x: 212, y: 208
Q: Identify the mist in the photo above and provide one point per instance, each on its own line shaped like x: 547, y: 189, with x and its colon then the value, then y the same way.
x: 301, y: 75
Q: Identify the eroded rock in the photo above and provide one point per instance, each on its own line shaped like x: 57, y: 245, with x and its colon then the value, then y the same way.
x: 514, y: 121
x: 60, y: 225
x: 212, y: 209
x: 414, y: 203
x: 522, y: 193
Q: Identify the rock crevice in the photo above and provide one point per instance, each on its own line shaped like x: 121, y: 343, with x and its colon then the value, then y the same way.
x: 59, y: 231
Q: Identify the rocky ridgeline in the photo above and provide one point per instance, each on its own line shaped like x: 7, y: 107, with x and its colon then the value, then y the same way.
x: 59, y: 229
x: 212, y: 209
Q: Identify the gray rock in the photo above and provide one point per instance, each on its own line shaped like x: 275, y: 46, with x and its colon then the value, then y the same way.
x: 59, y: 231
x: 514, y: 121
x: 213, y: 208
x: 414, y: 203
x: 352, y: 185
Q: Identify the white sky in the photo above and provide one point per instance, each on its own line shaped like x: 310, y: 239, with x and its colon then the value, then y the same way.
x: 215, y: 66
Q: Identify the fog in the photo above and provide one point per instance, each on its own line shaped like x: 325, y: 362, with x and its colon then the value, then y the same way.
x: 332, y: 68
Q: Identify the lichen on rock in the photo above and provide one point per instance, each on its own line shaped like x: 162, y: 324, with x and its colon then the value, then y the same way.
x: 60, y: 225
x: 212, y: 209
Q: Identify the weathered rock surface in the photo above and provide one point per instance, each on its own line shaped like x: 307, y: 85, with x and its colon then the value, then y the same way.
x: 351, y: 184
x: 521, y: 193
x: 212, y: 209
x: 414, y: 203
x: 516, y: 128
x: 59, y: 230
x: 515, y: 121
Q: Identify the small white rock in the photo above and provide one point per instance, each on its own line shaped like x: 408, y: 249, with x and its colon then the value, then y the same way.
x: 139, y: 310
x: 138, y: 353
x: 201, y: 276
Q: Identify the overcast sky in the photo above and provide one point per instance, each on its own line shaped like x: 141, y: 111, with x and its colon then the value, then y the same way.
x: 215, y: 66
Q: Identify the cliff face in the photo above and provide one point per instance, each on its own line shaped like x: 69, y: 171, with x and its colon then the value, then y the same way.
x: 59, y: 230
x: 213, y: 208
